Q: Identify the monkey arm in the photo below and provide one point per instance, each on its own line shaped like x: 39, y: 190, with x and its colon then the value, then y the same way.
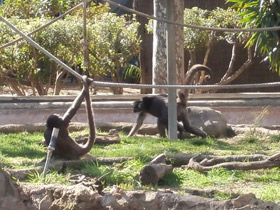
x: 192, y: 129
x: 89, y: 109
x: 69, y: 114
x: 139, y: 123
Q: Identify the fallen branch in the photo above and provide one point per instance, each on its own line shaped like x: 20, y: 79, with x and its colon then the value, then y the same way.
x: 183, y: 159
x: 111, y: 138
x: 206, y: 165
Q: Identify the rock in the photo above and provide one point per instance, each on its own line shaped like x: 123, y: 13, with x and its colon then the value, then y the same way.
x: 80, y: 197
x: 9, y: 193
x: 211, y: 121
x: 243, y: 200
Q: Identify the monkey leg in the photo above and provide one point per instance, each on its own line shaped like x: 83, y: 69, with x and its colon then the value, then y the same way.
x: 180, y: 128
x: 162, y: 126
x: 196, y: 131
x: 139, y: 123
x: 193, y: 130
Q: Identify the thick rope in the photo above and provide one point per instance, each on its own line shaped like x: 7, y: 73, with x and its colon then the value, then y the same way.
x: 128, y: 85
x: 275, y: 28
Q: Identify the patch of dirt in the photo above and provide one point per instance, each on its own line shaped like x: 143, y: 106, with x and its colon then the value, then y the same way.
x: 250, y: 131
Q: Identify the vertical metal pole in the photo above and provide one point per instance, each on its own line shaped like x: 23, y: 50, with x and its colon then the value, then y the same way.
x: 85, y: 42
x: 171, y: 72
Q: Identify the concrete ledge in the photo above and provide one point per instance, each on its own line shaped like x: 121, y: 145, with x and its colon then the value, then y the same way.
x: 239, y: 108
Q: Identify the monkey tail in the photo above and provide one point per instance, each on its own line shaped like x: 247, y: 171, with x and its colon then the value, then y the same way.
x: 193, y: 70
x: 92, y: 132
x: 183, y: 97
x: 184, y: 94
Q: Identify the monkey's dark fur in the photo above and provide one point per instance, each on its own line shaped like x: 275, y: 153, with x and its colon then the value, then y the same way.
x: 66, y: 147
x: 156, y: 106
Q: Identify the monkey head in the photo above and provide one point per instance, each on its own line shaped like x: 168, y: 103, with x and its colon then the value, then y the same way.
x: 54, y: 120
x: 207, y: 78
x: 137, y: 106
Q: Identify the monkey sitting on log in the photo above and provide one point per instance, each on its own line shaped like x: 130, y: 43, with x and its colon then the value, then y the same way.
x: 156, y: 106
x: 66, y: 147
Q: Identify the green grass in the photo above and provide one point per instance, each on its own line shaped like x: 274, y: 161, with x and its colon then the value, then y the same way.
x: 22, y: 150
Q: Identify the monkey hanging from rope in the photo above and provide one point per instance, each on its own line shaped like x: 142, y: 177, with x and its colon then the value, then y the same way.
x: 156, y: 106
x: 66, y: 147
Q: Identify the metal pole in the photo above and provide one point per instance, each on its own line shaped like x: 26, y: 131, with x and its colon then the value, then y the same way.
x: 36, y: 45
x: 171, y: 72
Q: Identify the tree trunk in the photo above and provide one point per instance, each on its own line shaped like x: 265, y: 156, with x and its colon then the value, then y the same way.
x: 146, y: 47
x: 58, y: 83
x: 159, y: 44
x: 230, y: 74
x: 116, y: 90
x: 179, y: 40
x: 159, y: 47
x: 15, y: 86
x: 116, y: 76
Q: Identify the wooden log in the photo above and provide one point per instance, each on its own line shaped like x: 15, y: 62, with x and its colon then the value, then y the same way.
x: 111, y: 138
x: 155, y: 170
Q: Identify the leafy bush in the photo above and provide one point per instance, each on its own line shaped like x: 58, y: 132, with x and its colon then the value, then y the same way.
x: 113, y: 43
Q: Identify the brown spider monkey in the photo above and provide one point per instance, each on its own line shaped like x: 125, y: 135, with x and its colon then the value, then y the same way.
x: 66, y: 147
x: 156, y: 106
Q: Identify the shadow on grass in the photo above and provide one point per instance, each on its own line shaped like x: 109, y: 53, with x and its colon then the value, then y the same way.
x: 213, y: 144
x: 22, y: 151
x: 171, y: 180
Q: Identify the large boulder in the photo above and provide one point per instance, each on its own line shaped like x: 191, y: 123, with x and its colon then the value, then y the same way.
x: 209, y: 120
x: 9, y: 193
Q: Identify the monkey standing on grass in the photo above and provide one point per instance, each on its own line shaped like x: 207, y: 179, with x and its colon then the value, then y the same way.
x: 156, y: 106
x: 66, y: 147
